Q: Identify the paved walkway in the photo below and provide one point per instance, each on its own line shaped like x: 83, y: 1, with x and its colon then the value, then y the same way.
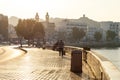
x: 1, y: 51
x: 39, y: 64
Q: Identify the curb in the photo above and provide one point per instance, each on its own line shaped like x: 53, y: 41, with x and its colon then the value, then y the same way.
x: 23, y: 50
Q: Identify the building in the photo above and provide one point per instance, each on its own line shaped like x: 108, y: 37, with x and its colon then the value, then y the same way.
x: 37, y: 17
x: 11, y: 32
x: 112, y: 26
x: 48, y: 26
x: 64, y: 27
x: 88, y: 25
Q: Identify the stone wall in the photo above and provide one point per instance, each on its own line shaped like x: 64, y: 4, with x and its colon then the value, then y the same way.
x: 100, y: 67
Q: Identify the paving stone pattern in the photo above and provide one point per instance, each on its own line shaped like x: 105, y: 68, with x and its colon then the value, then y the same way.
x: 39, y: 64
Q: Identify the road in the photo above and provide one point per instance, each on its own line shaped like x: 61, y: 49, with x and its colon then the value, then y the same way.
x: 37, y: 64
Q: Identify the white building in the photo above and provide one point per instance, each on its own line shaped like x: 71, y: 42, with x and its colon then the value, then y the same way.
x: 48, y: 26
x: 88, y: 25
x: 11, y: 32
x: 112, y: 26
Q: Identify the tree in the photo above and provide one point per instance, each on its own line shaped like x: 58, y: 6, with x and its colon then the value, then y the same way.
x: 30, y: 29
x: 20, y: 30
x: 81, y: 33
x: 39, y: 32
x: 77, y: 33
x: 97, y: 36
x: 110, y: 35
x: 4, y: 27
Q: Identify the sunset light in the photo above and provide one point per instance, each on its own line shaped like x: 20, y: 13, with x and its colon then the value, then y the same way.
x: 96, y: 9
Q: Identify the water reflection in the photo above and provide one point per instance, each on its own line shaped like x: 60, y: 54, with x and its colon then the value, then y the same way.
x: 113, y: 54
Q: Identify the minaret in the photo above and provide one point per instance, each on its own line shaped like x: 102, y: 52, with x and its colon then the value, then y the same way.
x: 37, y: 17
x: 47, y: 17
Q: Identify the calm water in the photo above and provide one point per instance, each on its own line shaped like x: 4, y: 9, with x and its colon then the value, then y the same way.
x: 113, y: 54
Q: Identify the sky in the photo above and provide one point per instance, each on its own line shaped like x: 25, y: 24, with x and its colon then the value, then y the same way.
x: 99, y: 10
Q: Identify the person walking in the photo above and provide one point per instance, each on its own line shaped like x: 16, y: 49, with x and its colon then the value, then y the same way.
x: 61, y: 48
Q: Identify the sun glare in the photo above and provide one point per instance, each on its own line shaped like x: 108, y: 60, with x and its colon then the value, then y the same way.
x: 96, y: 9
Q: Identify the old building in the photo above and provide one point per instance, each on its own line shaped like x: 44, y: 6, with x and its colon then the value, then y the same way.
x: 48, y: 26
x: 12, y: 33
x: 89, y: 26
x: 112, y: 26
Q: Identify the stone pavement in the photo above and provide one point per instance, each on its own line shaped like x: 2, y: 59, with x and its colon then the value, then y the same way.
x: 39, y: 64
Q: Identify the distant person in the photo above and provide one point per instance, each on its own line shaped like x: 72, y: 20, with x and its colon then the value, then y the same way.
x: 44, y: 44
x: 61, y: 48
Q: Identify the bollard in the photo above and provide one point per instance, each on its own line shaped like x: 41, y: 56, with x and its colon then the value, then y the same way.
x: 76, y: 61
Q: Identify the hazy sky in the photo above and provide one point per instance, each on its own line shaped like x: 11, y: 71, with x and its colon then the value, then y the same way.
x: 99, y: 10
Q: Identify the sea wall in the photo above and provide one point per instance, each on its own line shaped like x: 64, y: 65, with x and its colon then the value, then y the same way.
x: 100, y: 67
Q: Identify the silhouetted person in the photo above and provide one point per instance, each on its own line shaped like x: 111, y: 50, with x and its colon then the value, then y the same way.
x: 61, y: 48
x: 44, y: 44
